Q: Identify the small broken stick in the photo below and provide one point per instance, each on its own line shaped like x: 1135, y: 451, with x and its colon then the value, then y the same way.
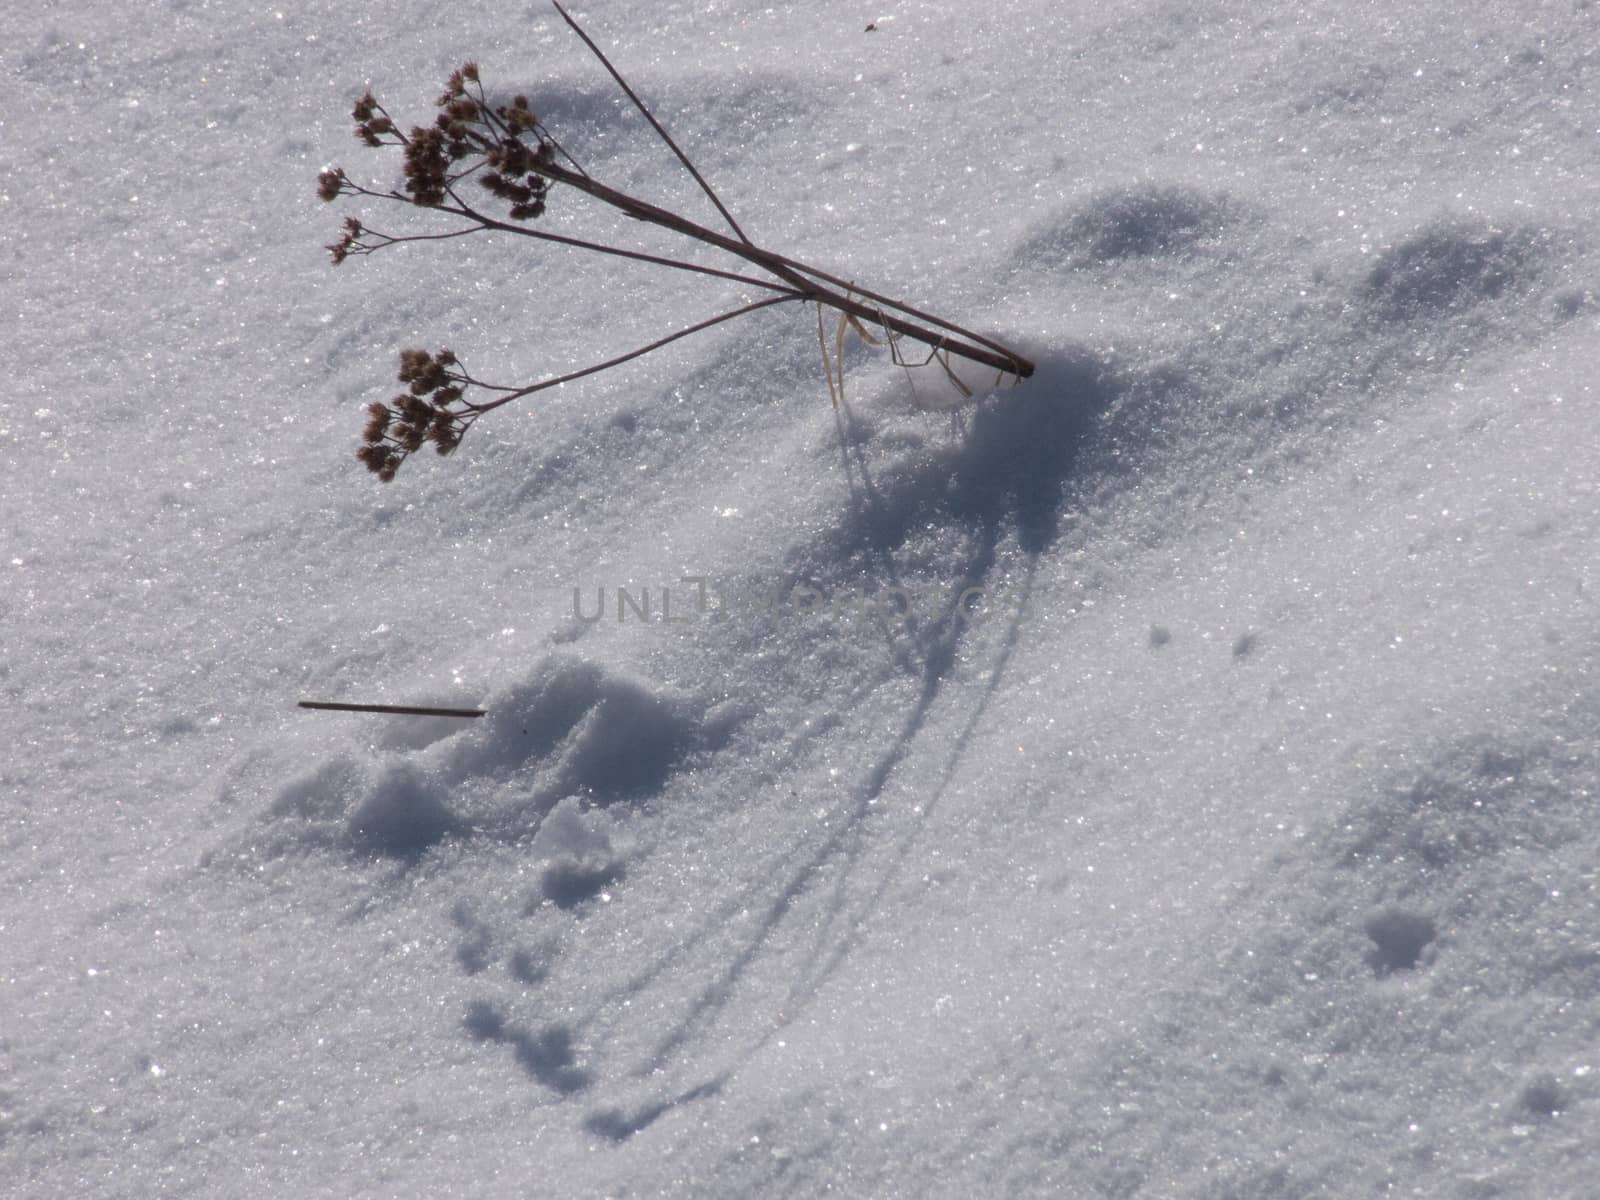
x: 409, y: 710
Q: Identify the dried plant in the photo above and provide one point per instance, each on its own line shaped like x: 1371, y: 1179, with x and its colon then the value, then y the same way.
x: 506, y: 151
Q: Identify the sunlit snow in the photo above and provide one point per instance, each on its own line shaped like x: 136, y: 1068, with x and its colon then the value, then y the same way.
x: 1172, y: 777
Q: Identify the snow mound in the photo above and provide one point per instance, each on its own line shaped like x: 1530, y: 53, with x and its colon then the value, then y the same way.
x: 1453, y: 264
x: 570, y: 729
x: 401, y: 815
x: 1145, y: 220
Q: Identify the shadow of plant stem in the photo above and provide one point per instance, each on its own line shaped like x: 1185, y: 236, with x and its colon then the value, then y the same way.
x: 510, y: 153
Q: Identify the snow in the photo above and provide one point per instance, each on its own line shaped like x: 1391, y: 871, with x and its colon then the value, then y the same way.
x: 1171, y: 777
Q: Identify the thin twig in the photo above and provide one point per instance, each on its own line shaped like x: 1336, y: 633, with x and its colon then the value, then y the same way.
x: 410, y: 710
x: 622, y: 358
x: 654, y: 124
x: 482, y: 221
x: 677, y: 264
x: 1026, y: 367
x: 780, y: 265
x: 984, y: 351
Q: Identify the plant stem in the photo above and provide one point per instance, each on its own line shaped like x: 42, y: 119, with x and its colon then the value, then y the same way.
x: 654, y: 124
x: 462, y: 209
x: 518, y: 393
x: 808, y: 281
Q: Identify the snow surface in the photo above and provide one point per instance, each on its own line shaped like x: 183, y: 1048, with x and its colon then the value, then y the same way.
x: 1240, y: 844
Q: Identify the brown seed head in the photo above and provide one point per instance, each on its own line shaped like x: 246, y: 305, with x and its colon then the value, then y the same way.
x: 377, y: 457
x: 377, y: 422
x: 425, y: 166
x: 413, y: 363
x: 414, y: 411
x: 348, y: 244
x: 519, y: 118
x: 513, y: 158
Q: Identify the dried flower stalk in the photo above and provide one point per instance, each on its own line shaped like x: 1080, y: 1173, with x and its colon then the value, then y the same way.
x: 507, y: 152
